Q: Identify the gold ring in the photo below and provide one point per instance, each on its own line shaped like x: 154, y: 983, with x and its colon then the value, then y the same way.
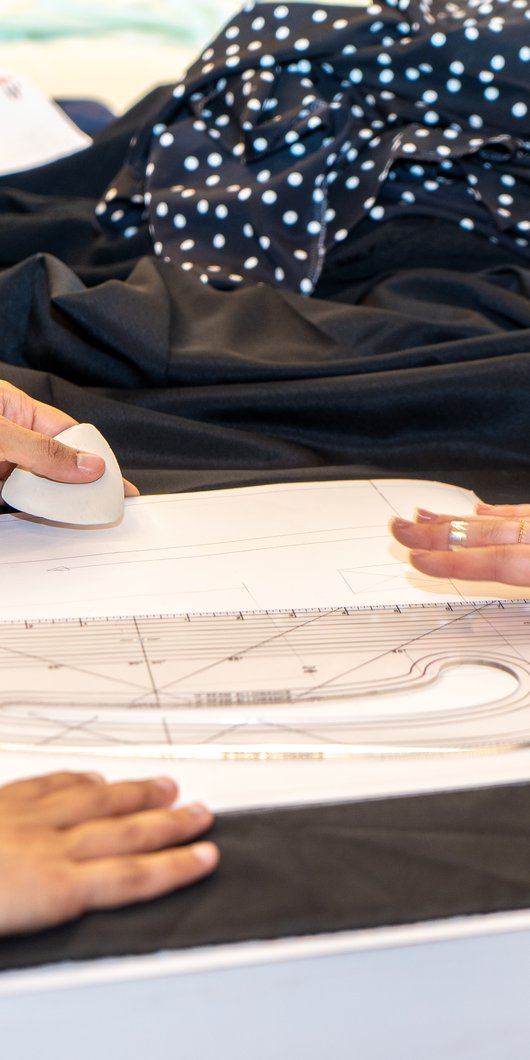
x: 522, y: 532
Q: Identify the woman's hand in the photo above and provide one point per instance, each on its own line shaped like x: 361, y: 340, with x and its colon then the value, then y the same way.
x: 491, y: 545
x: 71, y: 843
x: 27, y: 429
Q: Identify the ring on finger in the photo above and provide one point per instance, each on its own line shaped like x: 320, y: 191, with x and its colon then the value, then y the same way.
x: 521, y: 536
x: 457, y: 537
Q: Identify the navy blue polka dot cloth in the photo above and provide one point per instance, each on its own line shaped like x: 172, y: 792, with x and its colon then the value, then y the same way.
x: 300, y: 120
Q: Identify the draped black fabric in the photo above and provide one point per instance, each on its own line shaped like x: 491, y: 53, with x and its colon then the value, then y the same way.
x: 411, y: 359
x: 308, y: 870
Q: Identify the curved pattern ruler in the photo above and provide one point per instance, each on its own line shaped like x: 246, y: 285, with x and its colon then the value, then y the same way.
x: 311, y: 682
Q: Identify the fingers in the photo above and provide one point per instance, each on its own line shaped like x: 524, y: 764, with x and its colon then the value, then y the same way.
x: 107, y: 883
x: 504, y: 511
x: 500, y: 563
x: 88, y: 801
x: 472, y: 532
x: 20, y: 408
x: 138, y: 833
x: 46, y: 456
x: 485, y: 547
x: 30, y: 791
x: 129, y: 489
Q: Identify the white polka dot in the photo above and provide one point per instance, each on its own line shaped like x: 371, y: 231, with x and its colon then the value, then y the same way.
x: 314, y: 228
x: 319, y: 15
x: 306, y: 286
x: 179, y: 220
x: 260, y: 143
x: 498, y: 62
x: 263, y: 175
x: 438, y: 40
x: 244, y: 194
x: 301, y: 44
x: 221, y: 211
x: 281, y: 12
x: 130, y: 231
x: 295, y: 179
x: 203, y: 206
x: 250, y: 263
x: 248, y: 230
x: 377, y: 213
x: 218, y: 241
x: 300, y: 254
x: 162, y: 209
x: 187, y: 265
x: 290, y: 217
x: 279, y: 274
x: 524, y: 54
x: 214, y: 159
x: 467, y: 222
x: 191, y: 162
x: 187, y: 244
x: 341, y: 234
x: 269, y: 197
x: 264, y: 242
x: 166, y: 139
x: 158, y: 248
x: 519, y: 109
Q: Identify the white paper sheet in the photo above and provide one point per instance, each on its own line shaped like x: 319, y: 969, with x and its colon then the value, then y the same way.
x: 34, y: 129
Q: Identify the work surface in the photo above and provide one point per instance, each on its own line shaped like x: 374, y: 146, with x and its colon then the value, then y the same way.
x: 292, y: 747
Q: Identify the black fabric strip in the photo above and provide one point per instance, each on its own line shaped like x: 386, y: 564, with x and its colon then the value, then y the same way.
x: 298, y: 871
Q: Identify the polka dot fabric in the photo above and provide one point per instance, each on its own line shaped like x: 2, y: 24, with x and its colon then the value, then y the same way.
x: 300, y: 120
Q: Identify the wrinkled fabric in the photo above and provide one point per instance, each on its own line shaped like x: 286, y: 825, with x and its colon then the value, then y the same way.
x: 313, y: 869
x: 300, y: 120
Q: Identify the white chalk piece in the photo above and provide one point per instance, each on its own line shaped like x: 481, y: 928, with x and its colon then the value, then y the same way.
x: 83, y: 504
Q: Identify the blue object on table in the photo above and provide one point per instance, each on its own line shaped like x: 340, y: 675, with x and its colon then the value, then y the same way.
x: 89, y: 115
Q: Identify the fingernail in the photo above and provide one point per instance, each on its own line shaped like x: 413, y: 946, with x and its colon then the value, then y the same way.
x: 166, y: 784
x: 484, y: 507
x: 89, y: 462
x: 197, y: 809
x: 401, y: 524
x: 423, y: 515
x: 206, y: 853
x: 95, y: 776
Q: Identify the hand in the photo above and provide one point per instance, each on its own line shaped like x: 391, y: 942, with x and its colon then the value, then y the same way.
x: 71, y: 843
x: 491, y: 545
x: 27, y: 429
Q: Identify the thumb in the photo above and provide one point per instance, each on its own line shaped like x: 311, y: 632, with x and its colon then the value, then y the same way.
x: 46, y: 456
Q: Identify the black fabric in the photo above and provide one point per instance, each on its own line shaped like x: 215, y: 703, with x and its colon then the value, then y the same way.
x: 303, y: 871
x: 412, y: 358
